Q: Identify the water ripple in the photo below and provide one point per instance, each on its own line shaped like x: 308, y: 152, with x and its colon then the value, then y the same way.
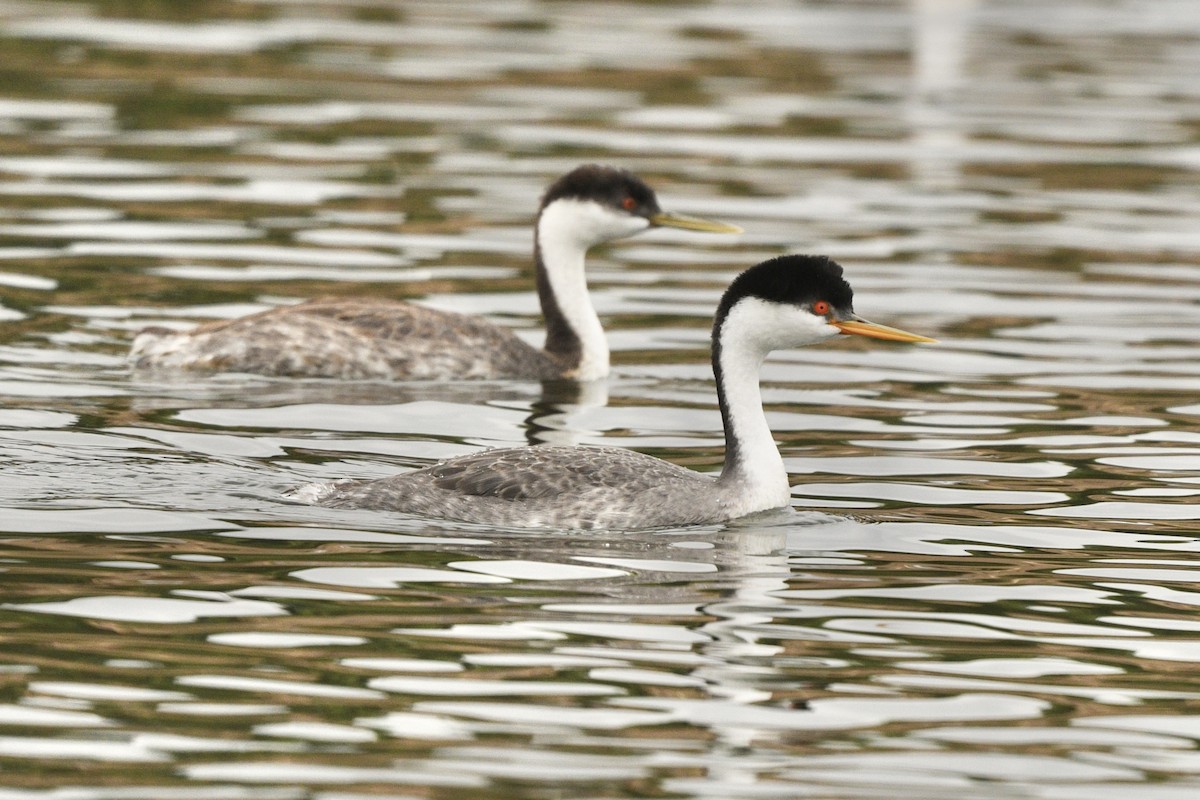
x: 997, y: 600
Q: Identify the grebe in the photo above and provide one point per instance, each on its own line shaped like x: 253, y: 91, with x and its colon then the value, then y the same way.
x: 369, y: 338
x: 788, y: 301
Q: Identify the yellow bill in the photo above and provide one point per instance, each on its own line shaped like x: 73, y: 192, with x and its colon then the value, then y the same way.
x: 666, y: 219
x: 860, y: 327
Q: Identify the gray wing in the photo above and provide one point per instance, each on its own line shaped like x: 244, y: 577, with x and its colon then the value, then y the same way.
x: 393, y: 320
x: 532, y: 473
x: 424, y: 342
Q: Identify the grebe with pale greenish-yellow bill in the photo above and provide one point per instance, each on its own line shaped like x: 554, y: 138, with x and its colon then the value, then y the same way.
x: 788, y: 301
x: 381, y: 339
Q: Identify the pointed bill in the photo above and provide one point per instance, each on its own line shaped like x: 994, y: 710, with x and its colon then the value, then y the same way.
x: 665, y: 219
x: 860, y: 327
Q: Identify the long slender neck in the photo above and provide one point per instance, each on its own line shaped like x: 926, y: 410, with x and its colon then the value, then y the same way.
x: 754, y: 470
x: 574, y: 336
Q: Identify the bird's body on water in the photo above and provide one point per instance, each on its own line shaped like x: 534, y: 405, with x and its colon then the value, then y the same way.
x: 789, y: 301
x: 382, y: 339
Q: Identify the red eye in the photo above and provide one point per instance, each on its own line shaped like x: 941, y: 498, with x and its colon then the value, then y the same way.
x: 629, y: 204
x: 820, y: 308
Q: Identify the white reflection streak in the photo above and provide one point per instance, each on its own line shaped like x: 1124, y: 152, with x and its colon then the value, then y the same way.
x: 940, y: 30
x: 762, y: 567
x: 560, y: 424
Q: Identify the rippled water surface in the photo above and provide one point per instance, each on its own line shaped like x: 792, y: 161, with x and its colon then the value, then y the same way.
x: 989, y: 589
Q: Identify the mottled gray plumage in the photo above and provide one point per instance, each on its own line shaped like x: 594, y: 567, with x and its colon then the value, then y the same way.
x: 544, y: 486
x: 349, y: 339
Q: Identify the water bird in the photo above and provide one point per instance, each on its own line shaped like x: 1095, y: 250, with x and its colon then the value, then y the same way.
x: 381, y: 339
x: 788, y: 301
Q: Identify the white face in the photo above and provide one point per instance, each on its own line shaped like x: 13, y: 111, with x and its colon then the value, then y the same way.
x: 776, y: 326
x: 587, y: 223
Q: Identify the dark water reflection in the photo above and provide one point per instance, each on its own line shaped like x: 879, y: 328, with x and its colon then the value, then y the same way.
x: 988, y: 592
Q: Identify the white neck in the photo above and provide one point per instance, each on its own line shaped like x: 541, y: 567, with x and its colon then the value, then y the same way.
x: 754, y: 473
x: 565, y: 231
x: 754, y: 476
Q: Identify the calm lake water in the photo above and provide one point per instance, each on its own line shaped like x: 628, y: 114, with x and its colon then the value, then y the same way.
x: 989, y: 589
